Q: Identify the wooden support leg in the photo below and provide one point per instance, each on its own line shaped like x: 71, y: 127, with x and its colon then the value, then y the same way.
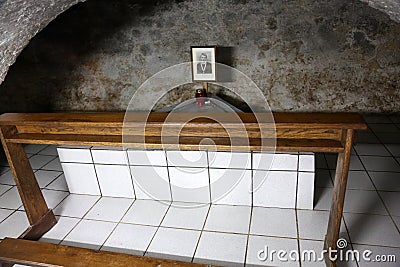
x: 339, y: 191
x: 40, y: 217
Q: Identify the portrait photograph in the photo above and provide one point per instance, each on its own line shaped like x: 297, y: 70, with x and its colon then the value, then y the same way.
x: 203, y: 63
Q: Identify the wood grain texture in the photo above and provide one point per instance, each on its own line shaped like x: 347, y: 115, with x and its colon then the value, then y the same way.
x: 35, y: 231
x: 28, y: 188
x: 338, y: 195
x: 293, y: 132
x: 281, y: 120
x: 183, y: 143
x: 45, y: 254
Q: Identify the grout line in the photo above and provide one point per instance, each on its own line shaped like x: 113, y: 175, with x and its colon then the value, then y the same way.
x: 381, y: 198
x: 209, y: 177
x: 248, y: 237
x: 201, y: 232
x: 116, y: 224
x: 158, y: 227
x: 130, y: 173
x: 295, y: 207
x: 95, y: 171
x: 169, y: 177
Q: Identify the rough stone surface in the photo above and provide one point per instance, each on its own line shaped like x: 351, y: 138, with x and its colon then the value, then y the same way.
x: 391, y: 7
x: 338, y: 55
x: 20, y: 20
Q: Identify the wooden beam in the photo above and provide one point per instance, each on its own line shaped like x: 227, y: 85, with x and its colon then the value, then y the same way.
x: 45, y: 254
x: 339, y: 191
x: 28, y: 188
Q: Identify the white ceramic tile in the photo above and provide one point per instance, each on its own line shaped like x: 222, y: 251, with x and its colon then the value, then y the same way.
x: 14, y: 225
x: 110, y: 156
x: 389, y: 138
x: 38, y: 161
x: 53, y: 197
x: 175, y: 244
x: 322, y: 198
x: 151, y: 182
x: 367, y: 137
x: 307, y: 163
x: 139, y: 213
x: 33, y: 149
x: 394, y: 118
x: 3, y: 160
x: 10, y: 199
x: 229, y: 160
x: 81, y: 155
x: 378, y: 251
x: 305, y: 190
x: 274, y: 189
x: 266, y: 161
x: 383, y: 128
x: 394, y: 149
x: 49, y: 151
x: 371, y: 150
x: 396, y: 221
x: 7, y: 178
x: 312, y: 246
x: 263, y: 243
x: 372, y: 163
x: 317, y: 259
x: 313, y: 224
x: 371, y: 229
x: 273, y: 222
x: 109, y: 209
x: 147, y: 157
x: 115, y: 180
x: 4, y: 213
x: 53, y: 165
x: 130, y: 239
x: 209, y: 249
x: 323, y: 178
x: 4, y: 188
x: 376, y: 118
x: 89, y: 234
x: 189, y: 184
x: 392, y: 202
x: 355, y: 163
x: 186, y: 215
x: 187, y: 158
x: 4, y: 170
x: 45, y: 177
x: 81, y: 178
x: 220, y: 219
x: 75, y: 205
x: 60, y: 230
x: 360, y: 201
x: 230, y: 187
x: 320, y: 161
x: 59, y: 184
x: 358, y: 180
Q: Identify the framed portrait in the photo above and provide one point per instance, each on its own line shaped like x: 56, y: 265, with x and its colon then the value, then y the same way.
x: 203, y: 63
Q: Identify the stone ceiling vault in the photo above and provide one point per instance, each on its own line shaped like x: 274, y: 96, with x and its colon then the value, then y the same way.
x: 21, y: 20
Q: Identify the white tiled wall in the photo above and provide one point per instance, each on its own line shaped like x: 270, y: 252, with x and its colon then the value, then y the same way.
x: 283, y: 180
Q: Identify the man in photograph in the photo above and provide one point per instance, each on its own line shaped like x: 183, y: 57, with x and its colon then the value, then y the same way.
x: 204, y: 67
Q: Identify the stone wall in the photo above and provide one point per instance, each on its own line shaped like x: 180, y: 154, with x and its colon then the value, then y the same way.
x: 338, y: 55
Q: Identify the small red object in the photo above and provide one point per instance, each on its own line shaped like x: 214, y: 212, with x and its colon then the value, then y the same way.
x: 200, y: 95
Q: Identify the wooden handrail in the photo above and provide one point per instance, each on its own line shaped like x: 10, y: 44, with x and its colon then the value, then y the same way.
x: 298, y: 132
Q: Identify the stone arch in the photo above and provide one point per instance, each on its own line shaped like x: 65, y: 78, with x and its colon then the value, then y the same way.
x: 22, y: 20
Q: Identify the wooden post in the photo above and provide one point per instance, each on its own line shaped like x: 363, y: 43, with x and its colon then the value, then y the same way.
x: 339, y: 191
x: 40, y: 217
x: 205, y: 87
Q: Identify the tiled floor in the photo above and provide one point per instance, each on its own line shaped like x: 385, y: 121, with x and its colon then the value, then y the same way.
x: 223, y: 234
